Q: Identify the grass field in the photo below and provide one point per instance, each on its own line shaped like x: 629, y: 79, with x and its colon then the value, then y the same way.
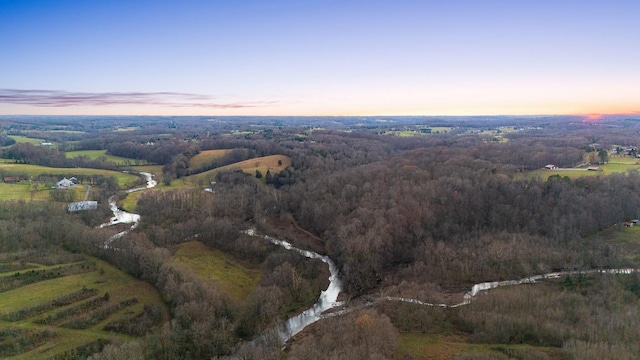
x: 24, y: 139
x: 621, y: 165
x: 30, y: 191
x: 22, y: 191
x: 205, y: 157
x: 35, y: 302
x: 250, y: 166
x: 130, y: 203
x: 98, y: 154
x: 214, y: 266
x: 130, y: 128
x: 615, y: 165
x: 626, y: 240
x: 35, y: 170
x: 408, y: 133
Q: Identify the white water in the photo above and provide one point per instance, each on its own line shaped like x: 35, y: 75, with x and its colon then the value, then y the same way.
x: 123, y: 217
x: 150, y: 183
x: 327, y: 300
x: 486, y: 286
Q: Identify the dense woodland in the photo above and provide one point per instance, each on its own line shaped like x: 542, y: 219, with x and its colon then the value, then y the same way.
x: 423, y: 217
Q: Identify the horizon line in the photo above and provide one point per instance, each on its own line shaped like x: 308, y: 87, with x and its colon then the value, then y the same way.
x: 633, y: 113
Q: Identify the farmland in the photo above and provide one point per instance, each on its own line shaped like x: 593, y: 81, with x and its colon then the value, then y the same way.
x: 422, y: 131
x: 22, y: 191
x: 206, y: 157
x: 76, y: 309
x: 214, y: 266
x: 272, y: 163
x: 123, y: 179
x: 24, y: 139
x: 102, y: 155
x: 406, y: 220
x: 616, y: 165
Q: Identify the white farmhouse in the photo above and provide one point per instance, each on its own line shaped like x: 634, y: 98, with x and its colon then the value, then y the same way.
x: 65, y: 184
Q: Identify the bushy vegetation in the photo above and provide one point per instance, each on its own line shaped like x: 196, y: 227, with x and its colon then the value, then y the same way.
x: 14, y: 341
x: 415, y: 217
x: 50, y: 305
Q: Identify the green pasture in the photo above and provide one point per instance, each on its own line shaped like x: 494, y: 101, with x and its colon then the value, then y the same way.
x: 262, y: 164
x: 571, y: 173
x: 418, y: 132
x: 499, y: 131
x: 621, y: 165
x: 130, y: 202
x: 27, y: 190
x: 617, y: 165
x: 626, y: 240
x: 22, y: 191
x: 34, y: 170
x: 621, y: 234
x: 24, y: 139
x: 106, y: 279
x: 216, y: 267
x: 206, y: 157
x: 102, y: 154
x: 405, y: 133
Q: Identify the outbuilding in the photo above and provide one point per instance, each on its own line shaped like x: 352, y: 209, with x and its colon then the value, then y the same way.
x: 82, y: 206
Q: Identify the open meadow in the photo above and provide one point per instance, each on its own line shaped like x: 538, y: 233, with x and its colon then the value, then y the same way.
x: 102, y: 154
x: 272, y: 163
x: 616, y: 165
x: 207, y: 156
x: 26, y: 190
x: 424, y: 131
x: 13, y: 169
x: 24, y: 139
x: 236, y: 279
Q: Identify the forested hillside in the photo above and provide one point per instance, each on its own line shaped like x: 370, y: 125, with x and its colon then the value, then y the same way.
x: 408, y: 221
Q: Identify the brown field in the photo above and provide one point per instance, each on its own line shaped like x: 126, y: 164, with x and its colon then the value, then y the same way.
x: 250, y: 166
x: 207, y: 156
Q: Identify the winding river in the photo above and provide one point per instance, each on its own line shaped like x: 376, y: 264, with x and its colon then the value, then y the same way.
x: 327, y: 300
x: 329, y: 297
x: 123, y: 217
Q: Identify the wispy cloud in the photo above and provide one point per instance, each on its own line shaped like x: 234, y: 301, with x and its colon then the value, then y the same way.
x: 58, y: 98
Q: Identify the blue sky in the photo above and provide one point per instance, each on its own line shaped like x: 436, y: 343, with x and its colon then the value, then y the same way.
x: 312, y: 57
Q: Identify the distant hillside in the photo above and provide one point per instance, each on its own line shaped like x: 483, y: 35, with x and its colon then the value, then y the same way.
x: 272, y: 163
x: 207, y: 156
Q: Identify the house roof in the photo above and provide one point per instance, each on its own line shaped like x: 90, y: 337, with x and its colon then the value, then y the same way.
x: 65, y: 183
x: 82, y: 205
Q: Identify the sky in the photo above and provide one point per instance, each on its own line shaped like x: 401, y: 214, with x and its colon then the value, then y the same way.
x: 319, y: 57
